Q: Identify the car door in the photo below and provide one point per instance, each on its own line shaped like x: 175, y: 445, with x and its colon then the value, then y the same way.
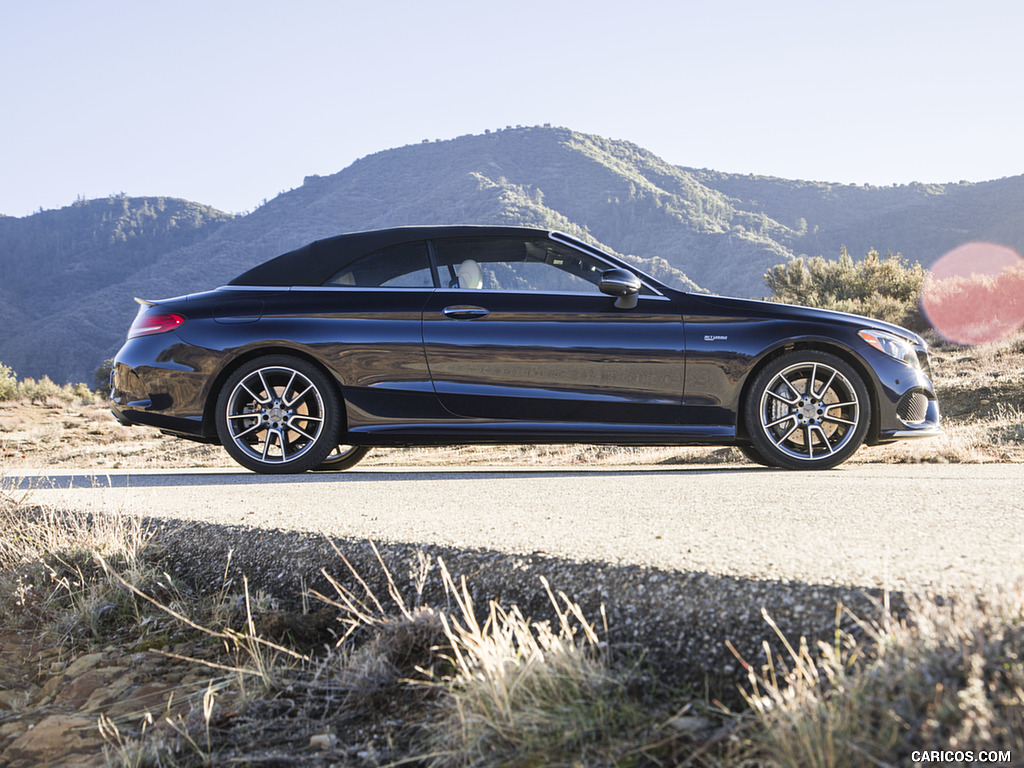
x: 365, y: 324
x: 519, y: 331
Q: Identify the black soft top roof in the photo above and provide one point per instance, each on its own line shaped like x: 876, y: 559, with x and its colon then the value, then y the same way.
x: 317, y: 262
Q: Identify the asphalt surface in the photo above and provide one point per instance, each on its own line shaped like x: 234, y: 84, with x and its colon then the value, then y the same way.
x: 900, y: 527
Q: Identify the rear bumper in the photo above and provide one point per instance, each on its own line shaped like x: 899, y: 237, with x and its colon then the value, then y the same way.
x: 138, y: 413
x: 148, y: 387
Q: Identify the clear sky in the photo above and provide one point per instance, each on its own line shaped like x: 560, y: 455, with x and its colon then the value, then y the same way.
x: 228, y: 103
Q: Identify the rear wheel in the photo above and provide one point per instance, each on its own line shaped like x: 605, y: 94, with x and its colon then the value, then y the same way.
x: 277, y: 415
x: 807, y: 410
x: 342, y: 457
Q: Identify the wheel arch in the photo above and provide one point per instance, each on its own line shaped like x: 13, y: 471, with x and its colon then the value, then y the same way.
x: 818, y: 345
x: 209, y: 419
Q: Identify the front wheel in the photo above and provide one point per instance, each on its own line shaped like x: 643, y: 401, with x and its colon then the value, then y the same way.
x: 807, y: 410
x: 278, y: 414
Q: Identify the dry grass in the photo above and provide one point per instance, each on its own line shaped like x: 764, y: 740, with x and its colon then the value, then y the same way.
x: 430, y: 684
x: 981, y: 395
x: 526, y: 694
x: 947, y: 678
x: 50, y: 565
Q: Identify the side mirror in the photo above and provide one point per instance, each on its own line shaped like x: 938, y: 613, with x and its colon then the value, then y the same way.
x: 622, y: 284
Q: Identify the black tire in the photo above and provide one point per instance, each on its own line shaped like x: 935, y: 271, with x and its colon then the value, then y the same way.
x: 751, y: 454
x: 342, y: 457
x: 278, y: 415
x: 807, y: 409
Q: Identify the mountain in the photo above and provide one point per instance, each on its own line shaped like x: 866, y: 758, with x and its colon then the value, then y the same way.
x: 70, y: 274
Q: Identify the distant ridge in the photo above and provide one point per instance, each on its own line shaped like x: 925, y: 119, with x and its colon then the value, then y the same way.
x: 70, y: 274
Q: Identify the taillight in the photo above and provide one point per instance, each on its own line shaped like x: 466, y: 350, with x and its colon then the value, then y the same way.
x: 147, y: 324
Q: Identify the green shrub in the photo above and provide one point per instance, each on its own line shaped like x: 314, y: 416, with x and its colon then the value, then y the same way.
x: 81, y: 393
x: 888, y: 288
x: 41, y: 390
x: 101, y: 376
x: 8, y: 383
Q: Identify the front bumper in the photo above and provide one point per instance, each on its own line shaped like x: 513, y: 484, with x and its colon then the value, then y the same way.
x: 907, y: 407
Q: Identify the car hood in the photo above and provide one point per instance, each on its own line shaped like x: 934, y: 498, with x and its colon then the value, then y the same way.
x: 770, y: 310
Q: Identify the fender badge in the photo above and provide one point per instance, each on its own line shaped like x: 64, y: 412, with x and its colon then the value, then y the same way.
x: 716, y: 338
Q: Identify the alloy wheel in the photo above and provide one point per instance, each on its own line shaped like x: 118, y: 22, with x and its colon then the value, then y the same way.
x: 277, y: 415
x: 809, y: 411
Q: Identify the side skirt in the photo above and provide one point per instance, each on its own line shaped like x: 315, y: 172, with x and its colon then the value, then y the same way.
x: 467, y: 432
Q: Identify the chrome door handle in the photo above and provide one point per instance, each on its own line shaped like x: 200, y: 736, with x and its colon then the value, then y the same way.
x: 465, y: 313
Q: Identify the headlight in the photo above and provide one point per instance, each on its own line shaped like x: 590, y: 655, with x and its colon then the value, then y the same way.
x: 892, y: 345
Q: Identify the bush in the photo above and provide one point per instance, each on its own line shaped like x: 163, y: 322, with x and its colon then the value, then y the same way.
x: 41, y: 390
x: 101, y: 376
x: 888, y: 288
x: 81, y: 393
x: 8, y: 383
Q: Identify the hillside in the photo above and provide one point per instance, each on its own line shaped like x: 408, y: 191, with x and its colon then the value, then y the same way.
x: 55, y: 261
x: 70, y: 274
x: 921, y: 221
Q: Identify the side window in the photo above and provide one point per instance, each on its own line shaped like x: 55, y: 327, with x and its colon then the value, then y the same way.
x: 400, y: 266
x: 508, y: 264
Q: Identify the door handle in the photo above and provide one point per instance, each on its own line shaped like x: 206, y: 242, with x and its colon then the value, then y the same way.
x: 465, y: 313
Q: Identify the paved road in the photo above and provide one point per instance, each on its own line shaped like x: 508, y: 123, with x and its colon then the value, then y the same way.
x: 900, y: 527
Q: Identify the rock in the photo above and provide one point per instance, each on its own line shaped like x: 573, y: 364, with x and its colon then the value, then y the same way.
x: 323, y: 741
x: 65, y: 740
x: 103, y: 697
x: 153, y: 697
x: 17, y: 699
x: 83, y: 688
x: 83, y: 664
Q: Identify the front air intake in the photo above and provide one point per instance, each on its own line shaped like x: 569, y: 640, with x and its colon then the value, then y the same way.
x: 913, y: 407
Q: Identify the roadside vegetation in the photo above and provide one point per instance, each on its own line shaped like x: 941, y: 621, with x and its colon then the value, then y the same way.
x: 887, y: 287
x: 354, y: 676
x: 40, y: 390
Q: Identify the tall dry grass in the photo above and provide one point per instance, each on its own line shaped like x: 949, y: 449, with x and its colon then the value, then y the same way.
x: 947, y: 678
x: 51, y: 565
x: 529, y: 694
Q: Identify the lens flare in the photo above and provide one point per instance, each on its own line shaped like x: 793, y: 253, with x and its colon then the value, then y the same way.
x: 975, y: 294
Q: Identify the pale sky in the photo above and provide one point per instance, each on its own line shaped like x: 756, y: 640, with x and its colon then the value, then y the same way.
x: 228, y: 103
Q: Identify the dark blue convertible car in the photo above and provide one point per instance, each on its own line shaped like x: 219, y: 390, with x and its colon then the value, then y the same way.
x: 455, y: 335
